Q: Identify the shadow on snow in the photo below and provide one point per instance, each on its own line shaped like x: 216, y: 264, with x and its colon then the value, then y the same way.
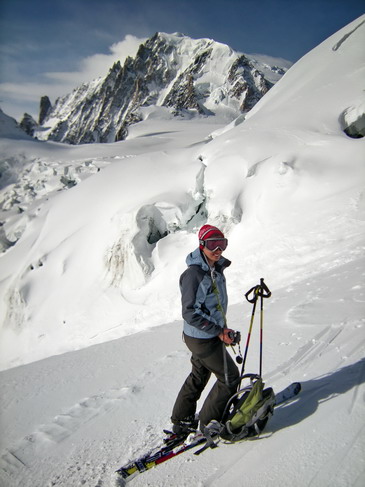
x: 316, y: 391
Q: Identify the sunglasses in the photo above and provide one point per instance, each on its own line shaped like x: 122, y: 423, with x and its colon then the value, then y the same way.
x: 213, y: 244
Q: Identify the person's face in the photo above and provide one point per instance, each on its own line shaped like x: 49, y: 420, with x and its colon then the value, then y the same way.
x: 212, y: 256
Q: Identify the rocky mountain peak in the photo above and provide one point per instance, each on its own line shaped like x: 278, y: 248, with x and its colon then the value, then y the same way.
x: 194, y: 76
x: 44, y: 109
x: 28, y: 124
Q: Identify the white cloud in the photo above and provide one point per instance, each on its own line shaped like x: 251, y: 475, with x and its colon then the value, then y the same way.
x: 98, y: 64
x: 55, y: 84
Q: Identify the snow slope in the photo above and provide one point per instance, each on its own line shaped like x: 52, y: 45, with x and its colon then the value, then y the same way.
x: 83, y: 414
x: 287, y: 186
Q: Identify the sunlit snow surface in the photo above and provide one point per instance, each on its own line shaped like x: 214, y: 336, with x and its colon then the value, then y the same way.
x: 95, y: 238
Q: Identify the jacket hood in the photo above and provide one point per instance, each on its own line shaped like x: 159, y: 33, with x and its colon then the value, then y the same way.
x: 196, y: 258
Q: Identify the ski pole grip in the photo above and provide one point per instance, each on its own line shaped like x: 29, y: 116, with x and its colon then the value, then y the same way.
x: 265, y: 291
x: 255, y: 292
x: 260, y: 290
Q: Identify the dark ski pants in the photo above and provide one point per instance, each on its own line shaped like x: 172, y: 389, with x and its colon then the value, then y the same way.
x: 207, y: 358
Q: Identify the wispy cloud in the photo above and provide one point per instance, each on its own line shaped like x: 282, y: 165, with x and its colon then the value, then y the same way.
x: 98, y: 64
x: 55, y: 84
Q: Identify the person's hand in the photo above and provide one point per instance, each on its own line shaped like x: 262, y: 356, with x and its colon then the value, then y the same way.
x: 226, y: 335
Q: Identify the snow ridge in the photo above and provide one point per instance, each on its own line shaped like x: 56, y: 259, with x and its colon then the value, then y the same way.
x: 346, y: 36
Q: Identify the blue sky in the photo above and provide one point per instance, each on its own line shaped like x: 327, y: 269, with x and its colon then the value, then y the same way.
x: 49, y: 47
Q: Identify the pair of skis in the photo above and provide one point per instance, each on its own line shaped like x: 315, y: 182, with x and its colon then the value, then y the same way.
x: 175, y: 445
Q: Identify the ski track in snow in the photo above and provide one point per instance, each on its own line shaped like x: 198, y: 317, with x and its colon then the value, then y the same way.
x: 336, y: 343
x: 40, y: 448
x: 62, y: 427
x: 18, y: 459
x: 17, y: 462
x: 317, y: 335
x: 307, y: 353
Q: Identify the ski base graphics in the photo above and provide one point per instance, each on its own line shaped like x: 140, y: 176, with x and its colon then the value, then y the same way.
x: 174, y: 445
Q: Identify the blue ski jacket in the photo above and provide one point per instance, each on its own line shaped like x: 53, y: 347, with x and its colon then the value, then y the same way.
x: 200, y: 304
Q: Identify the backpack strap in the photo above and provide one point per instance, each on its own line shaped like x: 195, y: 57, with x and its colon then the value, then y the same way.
x: 248, y: 410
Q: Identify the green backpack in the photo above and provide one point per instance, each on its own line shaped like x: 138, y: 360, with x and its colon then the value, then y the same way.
x: 248, y: 411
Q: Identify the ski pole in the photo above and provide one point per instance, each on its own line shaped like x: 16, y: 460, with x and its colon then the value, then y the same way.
x: 252, y: 300
x: 264, y: 293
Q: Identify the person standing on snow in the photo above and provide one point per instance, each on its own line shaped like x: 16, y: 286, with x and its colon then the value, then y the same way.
x: 204, y: 306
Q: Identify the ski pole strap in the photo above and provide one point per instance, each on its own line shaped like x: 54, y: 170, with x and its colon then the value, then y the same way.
x: 261, y: 290
x: 219, y: 304
x: 248, y: 338
x: 221, y: 309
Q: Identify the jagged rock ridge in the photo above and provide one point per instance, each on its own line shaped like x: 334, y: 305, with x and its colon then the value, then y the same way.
x: 28, y: 124
x: 44, y: 109
x: 170, y: 70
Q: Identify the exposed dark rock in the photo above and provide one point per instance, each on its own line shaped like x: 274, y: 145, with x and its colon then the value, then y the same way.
x: 44, y: 109
x: 28, y: 124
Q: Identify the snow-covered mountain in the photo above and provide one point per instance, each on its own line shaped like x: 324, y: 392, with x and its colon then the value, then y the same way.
x: 186, y: 76
x: 10, y: 129
x: 95, y: 237
x: 87, y: 230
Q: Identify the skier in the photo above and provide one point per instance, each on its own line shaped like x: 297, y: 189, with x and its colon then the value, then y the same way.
x: 204, y: 306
